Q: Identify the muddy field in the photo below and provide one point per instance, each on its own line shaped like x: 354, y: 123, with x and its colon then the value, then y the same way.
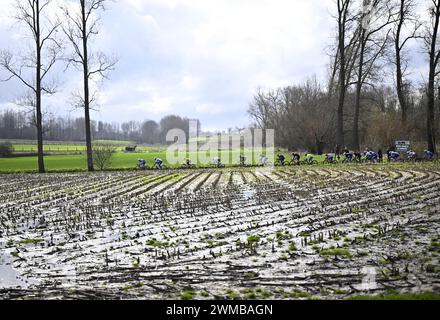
x: 295, y: 233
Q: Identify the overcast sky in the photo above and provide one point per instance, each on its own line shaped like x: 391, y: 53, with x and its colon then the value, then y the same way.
x: 197, y: 58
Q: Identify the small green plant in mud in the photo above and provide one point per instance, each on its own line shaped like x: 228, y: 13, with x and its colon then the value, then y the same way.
x: 124, y: 235
x: 232, y: 295
x: 252, y: 243
x: 336, y: 238
x: 315, y: 242
x: 253, y: 239
x: 283, y: 258
x: 31, y: 241
x: 155, y: 243
x: 292, y: 247
x: 369, y: 225
x: 263, y: 294
x: 188, y: 295
x: 296, y: 294
x: 280, y: 235
x: 304, y: 234
x: 14, y: 254
x: 220, y: 236
x: 136, y: 263
x: 359, y: 240
x: 403, y: 296
x: 251, y: 274
x: 204, y: 294
x: 335, y: 252
x: 251, y: 296
x: 362, y: 254
x: 340, y: 292
x: 406, y: 256
x: 324, y: 292
x: 134, y: 286
x: 357, y: 210
x: 279, y: 291
x: 435, y: 245
x: 10, y: 243
x: 213, y: 244
x: 430, y: 268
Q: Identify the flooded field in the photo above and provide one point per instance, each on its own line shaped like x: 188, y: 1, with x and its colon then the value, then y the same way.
x: 295, y: 233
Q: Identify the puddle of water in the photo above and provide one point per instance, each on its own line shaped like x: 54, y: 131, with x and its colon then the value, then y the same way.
x: 369, y: 280
x: 248, y: 194
x: 9, y: 277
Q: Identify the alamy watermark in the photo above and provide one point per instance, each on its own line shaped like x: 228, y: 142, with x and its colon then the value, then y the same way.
x: 247, y: 147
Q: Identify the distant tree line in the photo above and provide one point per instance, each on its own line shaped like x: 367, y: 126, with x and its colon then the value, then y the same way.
x: 304, y: 117
x: 19, y: 125
x: 370, y: 98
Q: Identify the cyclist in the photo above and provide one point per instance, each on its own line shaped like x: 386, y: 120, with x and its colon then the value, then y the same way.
x: 188, y: 164
x: 141, y: 164
x: 330, y: 158
x: 295, y: 158
x: 371, y: 156
x: 393, y: 156
x: 308, y: 158
x: 263, y: 160
x: 348, y: 156
x: 158, y: 163
x: 428, y: 155
x: 217, y: 162
x: 242, y: 160
x: 281, y: 158
x: 357, y: 157
x: 411, y: 155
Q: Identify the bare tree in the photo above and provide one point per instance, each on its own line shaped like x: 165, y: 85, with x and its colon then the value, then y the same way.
x: 44, y: 55
x: 300, y: 114
x: 406, y: 19
x: 102, y: 156
x: 431, y: 42
x: 346, y: 50
x: 375, y: 17
x: 82, y: 23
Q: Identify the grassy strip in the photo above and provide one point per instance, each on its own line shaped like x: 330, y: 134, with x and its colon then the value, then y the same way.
x: 127, y: 161
x: 404, y: 296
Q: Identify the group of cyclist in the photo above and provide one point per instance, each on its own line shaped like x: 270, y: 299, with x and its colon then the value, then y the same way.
x: 347, y: 156
x: 158, y: 164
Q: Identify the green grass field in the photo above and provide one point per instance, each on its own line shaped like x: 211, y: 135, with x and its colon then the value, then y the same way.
x: 28, y: 146
x: 70, y: 161
x: 120, y: 160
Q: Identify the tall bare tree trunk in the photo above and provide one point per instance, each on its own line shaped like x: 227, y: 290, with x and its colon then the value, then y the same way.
x: 342, y: 18
x: 81, y: 25
x: 39, y: 117
x: 433, y: 62
x: 399, y: 73
x: 86, y: 89
x: 357, y: 106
